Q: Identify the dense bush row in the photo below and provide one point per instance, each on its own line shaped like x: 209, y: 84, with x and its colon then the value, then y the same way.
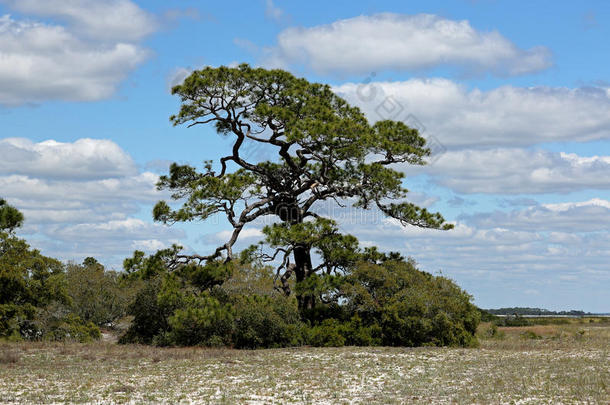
x: 379, y: 302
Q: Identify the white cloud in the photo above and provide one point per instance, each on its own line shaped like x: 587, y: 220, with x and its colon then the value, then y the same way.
x: 571, y: 217
x: 84, y: 60
x: 86, y: 180
x: 45, y: 200
x: 496, y: 252
x: 562, y: 207
x: 149, y: 245
x: 365, y: 44
x: 84, y: 159
x: 481, y: 128
x: 518, y: 171
x: 110, y: 242
x: 117, y: 230
x: 177, y: 76
x: 494, y: 256
x: 247, y: 233
x: 505, y: 116
x: 114, y: 20
x: 81, y: 198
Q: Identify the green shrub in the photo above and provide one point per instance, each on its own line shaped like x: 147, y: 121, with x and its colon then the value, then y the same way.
x: 202, y: 321
x: 72, y: 328
x: 150, y: 319
x: 327, y: 334
x: 356, y: 333
x: 332, y: 332
x: 528, y: 334
x: 166, y: 314
x: 98, y: 295
x: 492, y: 332
x: 266, y: 321
x: 17, y: 322
x: 513, y: 321
x: 53, y: 322
x: 411, y: 307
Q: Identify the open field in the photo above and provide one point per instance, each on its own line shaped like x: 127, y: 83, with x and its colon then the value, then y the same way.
x: 551, y: 364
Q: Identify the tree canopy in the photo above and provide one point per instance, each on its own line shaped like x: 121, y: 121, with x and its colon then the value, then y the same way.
x: 34, y: 297
x: 10, y: 217
x: 326, y: 151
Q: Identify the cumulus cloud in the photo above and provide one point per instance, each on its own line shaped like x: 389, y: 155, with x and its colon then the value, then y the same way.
x: 85, y: 180
x: 519, y: 171
x: 110, y: 242
x: 81, y: 198
x: 83, y: 159
x: 83, y: 60
x: 481, y: 130
x: 119, y: 20
x: 505, y: 116
x: 44, y: 200
x: 366, y: 44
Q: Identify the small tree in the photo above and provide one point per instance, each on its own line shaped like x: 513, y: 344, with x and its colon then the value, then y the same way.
x: 326, y: 149
x: 98, y: 295
x: 10, y: 217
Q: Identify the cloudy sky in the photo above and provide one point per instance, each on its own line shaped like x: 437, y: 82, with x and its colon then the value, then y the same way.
x: 513, y: 97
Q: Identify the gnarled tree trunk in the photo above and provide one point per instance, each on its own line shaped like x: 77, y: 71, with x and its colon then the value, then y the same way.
x: 302, y: 260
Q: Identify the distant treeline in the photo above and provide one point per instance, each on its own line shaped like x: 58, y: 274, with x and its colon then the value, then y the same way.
x: 534, y: 311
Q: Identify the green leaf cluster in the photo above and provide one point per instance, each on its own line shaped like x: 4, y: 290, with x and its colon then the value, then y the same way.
x: 10, y: 217
x: 266, y: 321
x: 411, y: 307
x: 215, y: 304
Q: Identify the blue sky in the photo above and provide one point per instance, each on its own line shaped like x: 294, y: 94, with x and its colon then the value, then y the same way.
x: 515, y: 94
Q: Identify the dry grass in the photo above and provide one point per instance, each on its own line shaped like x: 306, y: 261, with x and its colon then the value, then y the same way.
x: 564, y: 366
x: 9, y: 356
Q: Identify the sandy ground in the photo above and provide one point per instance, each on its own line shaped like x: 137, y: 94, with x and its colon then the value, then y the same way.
x: 567, y: 367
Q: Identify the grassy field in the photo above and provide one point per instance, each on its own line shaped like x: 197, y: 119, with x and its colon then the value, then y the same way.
x: 536, y: 364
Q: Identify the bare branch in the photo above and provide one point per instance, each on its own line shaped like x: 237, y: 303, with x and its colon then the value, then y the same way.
x: 284, y: 279
x: 201, y: 122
